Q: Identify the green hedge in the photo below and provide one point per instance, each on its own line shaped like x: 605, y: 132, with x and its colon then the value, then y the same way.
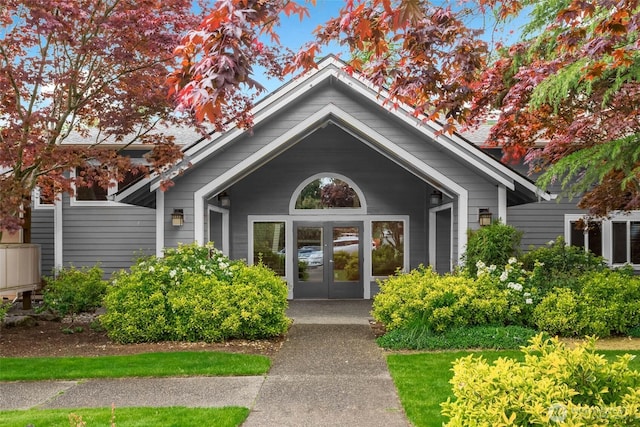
x: 605, y: 303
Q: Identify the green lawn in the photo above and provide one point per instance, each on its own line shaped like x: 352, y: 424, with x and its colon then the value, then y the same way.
x: 140, y: 365
x: 127, y: 417
x: 422, y: 380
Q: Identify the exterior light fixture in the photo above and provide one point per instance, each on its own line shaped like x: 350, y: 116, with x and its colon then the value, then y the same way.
x: 177, y: 218
x: 484, y: 217
x: 224, y: 199
x: 436, y: 198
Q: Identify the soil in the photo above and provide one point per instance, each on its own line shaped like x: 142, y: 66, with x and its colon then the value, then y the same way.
x: 64, y: 337
x: 76, y: 337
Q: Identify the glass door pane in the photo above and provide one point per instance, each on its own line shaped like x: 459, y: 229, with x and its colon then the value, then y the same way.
x: 310, y: 254
x: 346, y: 254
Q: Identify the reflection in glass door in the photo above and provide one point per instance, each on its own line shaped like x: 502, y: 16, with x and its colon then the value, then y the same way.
x: 328, y: 257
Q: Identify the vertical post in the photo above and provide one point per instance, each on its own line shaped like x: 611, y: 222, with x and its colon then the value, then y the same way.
x: 26, y: 238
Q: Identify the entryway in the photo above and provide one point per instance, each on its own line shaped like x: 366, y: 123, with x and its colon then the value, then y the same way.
x: 329, y: 258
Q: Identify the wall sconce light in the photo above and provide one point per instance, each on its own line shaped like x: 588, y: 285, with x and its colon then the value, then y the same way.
x: 436, y: 198
x: 224, y: 199
x: 177, y: 218
x: 484, y: 217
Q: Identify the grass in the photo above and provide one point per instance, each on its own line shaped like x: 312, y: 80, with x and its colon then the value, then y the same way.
x: 422, y: 379
x: 417, y: 337
x: 170, y: 364
x: 127, y: 417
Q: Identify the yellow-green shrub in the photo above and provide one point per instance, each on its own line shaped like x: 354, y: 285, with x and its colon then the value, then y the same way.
x: 606, y: 302
x: 195, y: 294
x: 552, y: 385
x: 441, y: 302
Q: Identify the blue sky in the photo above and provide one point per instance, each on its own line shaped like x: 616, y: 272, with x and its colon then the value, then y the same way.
x: 294, y: 33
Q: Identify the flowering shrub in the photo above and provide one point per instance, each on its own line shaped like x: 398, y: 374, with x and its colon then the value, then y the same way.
x: 516, y: 282
x: 553, y: 385
x: 195, y: 293
x: 558, y: 265
x: 493, y: 245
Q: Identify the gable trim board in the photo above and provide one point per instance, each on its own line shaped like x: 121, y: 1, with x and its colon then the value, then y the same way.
x: 298, y: 132
x: 332, y: 68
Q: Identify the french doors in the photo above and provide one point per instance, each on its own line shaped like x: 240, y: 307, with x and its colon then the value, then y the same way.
x: 328, y: 257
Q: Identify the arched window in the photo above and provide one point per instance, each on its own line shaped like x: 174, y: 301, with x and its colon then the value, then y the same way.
x: 327, y: 192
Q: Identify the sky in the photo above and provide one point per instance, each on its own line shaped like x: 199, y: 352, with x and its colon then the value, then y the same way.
x: 294, y: 33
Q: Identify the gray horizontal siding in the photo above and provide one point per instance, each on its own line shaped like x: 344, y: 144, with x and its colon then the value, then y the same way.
x: 483, y: 193
x: 388, y: 189
x: 43, y: 233
x: 113, y: 236
x: 540, y: 222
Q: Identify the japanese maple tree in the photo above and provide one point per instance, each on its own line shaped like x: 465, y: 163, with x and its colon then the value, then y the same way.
x: 572, y: 82
x: 91, y: 68
x: 423, y: 54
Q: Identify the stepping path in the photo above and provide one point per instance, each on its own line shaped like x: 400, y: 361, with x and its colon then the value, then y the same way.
x: 329, y: 372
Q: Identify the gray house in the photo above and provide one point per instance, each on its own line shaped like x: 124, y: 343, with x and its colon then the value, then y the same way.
x: 332, y: 188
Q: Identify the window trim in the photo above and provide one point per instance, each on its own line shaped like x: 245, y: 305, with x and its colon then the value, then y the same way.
x: 37, y: 204
x: 367, y: 232
x: 607, y: 233
x: 112, y: 190
x: 334, y: 211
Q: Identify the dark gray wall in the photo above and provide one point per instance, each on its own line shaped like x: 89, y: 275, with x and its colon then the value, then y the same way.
x: 42, y: 233
x: 483, y: 193
x: 388, y: 189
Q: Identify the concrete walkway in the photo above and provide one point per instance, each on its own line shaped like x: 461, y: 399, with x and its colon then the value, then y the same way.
x: 329, y: 372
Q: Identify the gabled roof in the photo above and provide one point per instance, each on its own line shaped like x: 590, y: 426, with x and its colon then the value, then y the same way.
x: 332, y: 68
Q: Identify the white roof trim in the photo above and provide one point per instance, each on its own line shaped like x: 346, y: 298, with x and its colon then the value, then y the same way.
x: 297, y: 133
x: 331, y: 67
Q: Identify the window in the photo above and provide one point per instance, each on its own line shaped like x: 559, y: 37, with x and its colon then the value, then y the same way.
x: 616, y: 239
x: 42, y: 201
x: 269, y: 245
x: 327, y: 194
x: 625, y: 237
x: 387, y: 254
x: 95, y: 192
x: 587, y: 235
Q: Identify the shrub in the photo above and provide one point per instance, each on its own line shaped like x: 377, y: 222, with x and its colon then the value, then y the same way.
x: 559, y: 313
x: 558, y: 265
x: 516, y: 282
x: 416, y: 337
x: 439, y: 302
x: 4, y: 309
x: 606, y: 302
x: 552, y: 385
x: 195, y: 294
x: 493, y: 245
x: 557, y: 257
x: 74, y: 291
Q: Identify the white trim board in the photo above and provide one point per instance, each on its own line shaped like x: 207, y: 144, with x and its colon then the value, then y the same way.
x: 402, y: 157
x: 332, y: 68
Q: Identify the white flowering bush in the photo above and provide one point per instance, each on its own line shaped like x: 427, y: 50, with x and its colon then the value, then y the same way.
x: 194, y: 293
x: 517, y: 283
